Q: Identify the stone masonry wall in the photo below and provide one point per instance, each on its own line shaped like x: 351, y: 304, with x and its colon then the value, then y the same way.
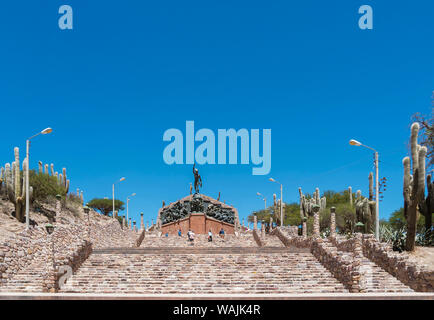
x: 72, y: 244
x: 344, y: 267
x: 18, y: 251
x: 397, y: 264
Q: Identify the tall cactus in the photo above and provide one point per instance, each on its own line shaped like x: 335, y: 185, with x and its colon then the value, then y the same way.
x: 306, y: 205
x: 414, y: 188
x: 65, y: 181
x: 16, y: 190
x: 365, y: 207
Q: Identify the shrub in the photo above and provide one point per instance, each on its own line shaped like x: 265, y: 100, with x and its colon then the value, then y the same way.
x: 45, y: 186
x: 425, y: 238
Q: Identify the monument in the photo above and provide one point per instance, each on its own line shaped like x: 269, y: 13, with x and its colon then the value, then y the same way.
x: 197, y: 212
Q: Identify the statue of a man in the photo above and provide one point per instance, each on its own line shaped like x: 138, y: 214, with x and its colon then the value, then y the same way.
x: 197, y: 179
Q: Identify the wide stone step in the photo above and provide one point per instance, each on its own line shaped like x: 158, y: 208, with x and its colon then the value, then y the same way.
x: 250, y: 270
x: 199, y: 250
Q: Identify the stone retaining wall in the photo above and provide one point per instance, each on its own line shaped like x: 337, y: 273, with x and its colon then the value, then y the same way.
x: 344, y: 267
x: 397, y: 264
x: 18, y: 251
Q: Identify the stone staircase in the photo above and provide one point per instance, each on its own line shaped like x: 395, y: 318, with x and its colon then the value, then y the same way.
x: 272, y: 241
x: 376, y: 279
x: 203, y: 271
x: 31, y: 278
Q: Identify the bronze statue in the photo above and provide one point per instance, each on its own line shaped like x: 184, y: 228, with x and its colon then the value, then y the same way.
x: 197, y: 179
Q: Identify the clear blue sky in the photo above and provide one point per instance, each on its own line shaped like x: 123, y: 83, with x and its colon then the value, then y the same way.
x: 129, y: 70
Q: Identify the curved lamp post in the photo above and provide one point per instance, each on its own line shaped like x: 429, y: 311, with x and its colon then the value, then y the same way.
x: 45, y: 131
x: 281, y: 201
x: 265, y: 201
x: 121, y: 179
x: 377, y: 204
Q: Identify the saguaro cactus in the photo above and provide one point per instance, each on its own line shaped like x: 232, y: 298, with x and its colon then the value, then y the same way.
x: 16, y: 190
x: 414, y: 188
x: 306, y: 205
x: 365, y: 207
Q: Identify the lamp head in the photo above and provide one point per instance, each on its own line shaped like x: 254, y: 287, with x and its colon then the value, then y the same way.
x: 257, y: 193
x: 122, y: 179
x: 272, y: 180
x: 46, y: 131
x: 133, y: 194
x: 49, y: 227
x: 355, y: 143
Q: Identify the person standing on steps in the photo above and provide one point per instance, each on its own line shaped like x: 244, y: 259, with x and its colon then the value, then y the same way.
x: 222, y: 233
x: 209, y: 236
x: 191, y: 237
x: 179, y: 233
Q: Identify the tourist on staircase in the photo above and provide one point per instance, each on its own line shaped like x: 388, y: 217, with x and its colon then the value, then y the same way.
x: 209, y: 236
x: 222, y: 233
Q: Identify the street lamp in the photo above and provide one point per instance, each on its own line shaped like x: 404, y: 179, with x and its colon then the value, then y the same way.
x: 45, y: 131
x: 121, y: 179
x: 128, y: 200
x: 377, y: 198
x: 265, y: 200
x: 281, y: 201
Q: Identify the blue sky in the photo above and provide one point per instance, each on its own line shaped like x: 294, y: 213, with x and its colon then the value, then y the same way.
x: 130, y: 70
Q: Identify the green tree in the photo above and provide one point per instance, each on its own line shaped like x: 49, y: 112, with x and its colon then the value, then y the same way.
x: 397, y: 220
x: 105, y: 206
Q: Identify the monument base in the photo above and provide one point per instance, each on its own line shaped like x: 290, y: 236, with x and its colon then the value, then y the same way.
x: 199, y: 223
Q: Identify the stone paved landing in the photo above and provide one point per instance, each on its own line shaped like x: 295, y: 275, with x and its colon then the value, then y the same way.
x: 230, y: 240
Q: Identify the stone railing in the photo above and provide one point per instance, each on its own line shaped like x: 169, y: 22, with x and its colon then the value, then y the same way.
x: 397, y: 264
x: 344, y: 266
x: 299, y: 242
x: 74, y: 260
x: 257, y: 238
x: 140, y: 238
x: 342, y: 243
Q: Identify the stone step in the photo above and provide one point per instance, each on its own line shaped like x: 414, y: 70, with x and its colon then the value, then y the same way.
x: 201, y: 273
